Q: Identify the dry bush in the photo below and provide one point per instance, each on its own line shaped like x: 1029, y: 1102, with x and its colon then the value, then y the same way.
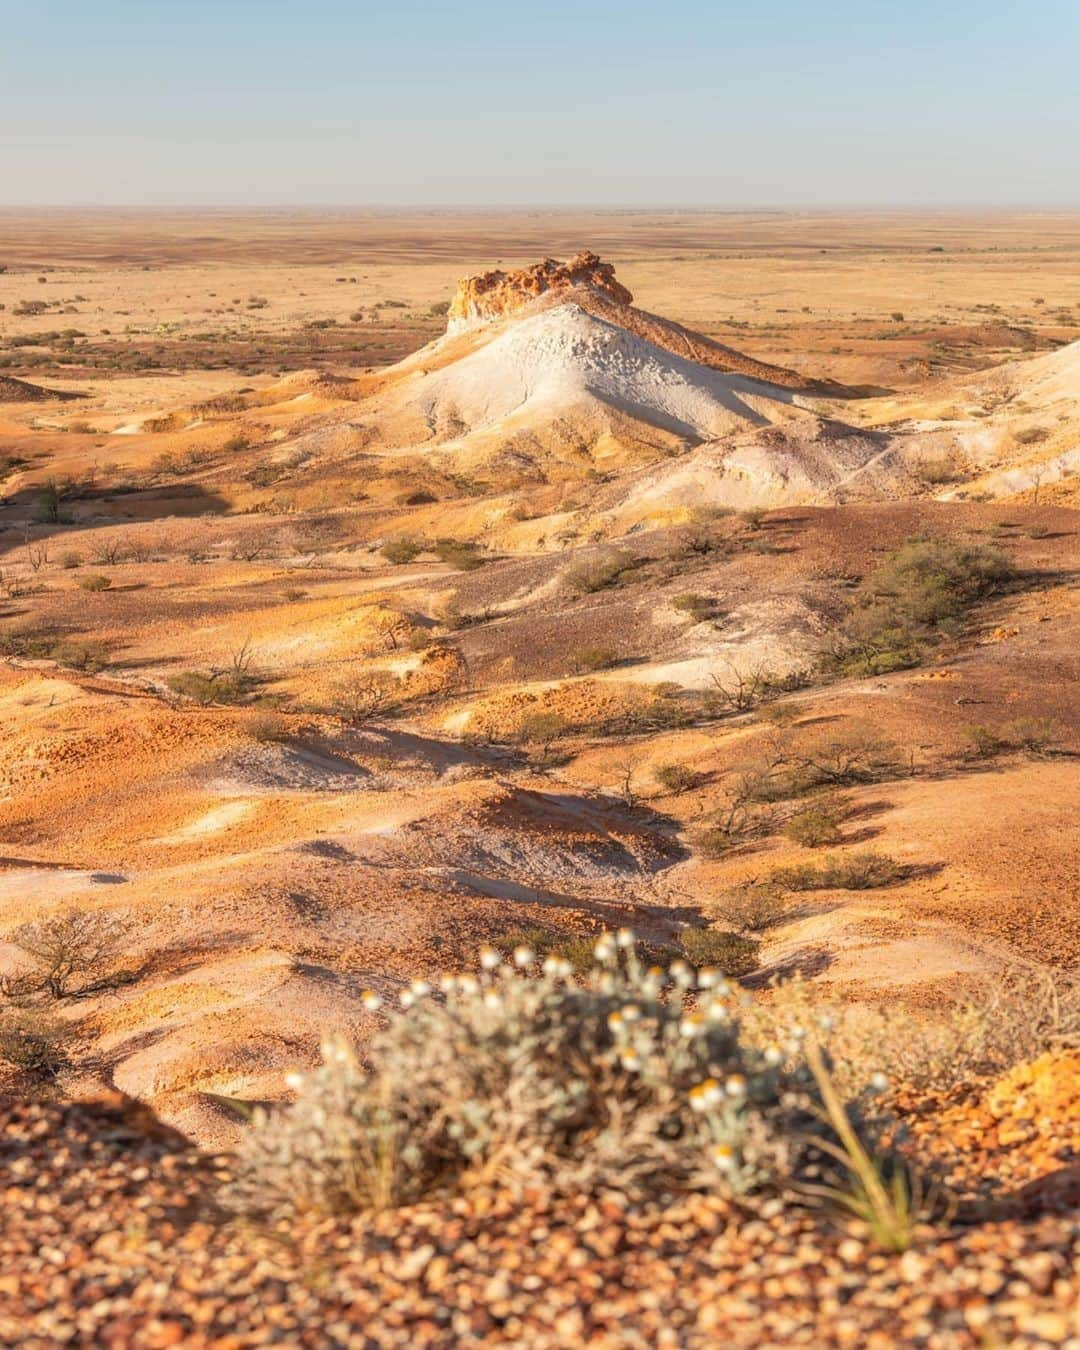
x: 698, y: 607
x: 95, y: 581
x: 366, y: 695
x: 207, y: 688
x: 459, y: 554
x: 597, y: 574
x: 581, y: 1084
x: 34, y: 1042
x: 72, y: 954
x: 677, y: 778
x: 402, y: 549
x: 1008, y: 1019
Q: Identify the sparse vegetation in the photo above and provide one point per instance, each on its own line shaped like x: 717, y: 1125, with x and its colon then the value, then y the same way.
x: 851, y: 872
x: 401, y: 550
x: 598, y: 574
x: 919, y: 595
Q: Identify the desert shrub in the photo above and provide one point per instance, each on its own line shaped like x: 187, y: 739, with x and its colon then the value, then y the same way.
x: 70, y: 560
x: 815, y: 827
x: 1030, y: 435
x: 985, y: 742
x: 677, y: 778
x: 854, y: 872
x: 72, y: 954
x: 460, y: 554
x: 268, y: 728
x: 717, y: 841
x: 1031, y: 733
x: 46, y: 506
x: 754, y: 906
x: 918, y: 594
x: 730, y: 953
x: 89, y: 657
x: 579, y: 1084
x: 587, y: 659
x: 1005, y: 1020
x: 367, y: 695
x: 936, y: 472
x: 597, y: 574
x: 237, y: 443
x: 94, y: 581
x: 401, y: 550
x: 542, y: 729
x: 208, y: 687
x: 34, y: 1042
x: 698, y: 607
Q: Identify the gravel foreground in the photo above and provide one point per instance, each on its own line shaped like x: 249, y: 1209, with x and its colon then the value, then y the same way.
x: 111, y: 1237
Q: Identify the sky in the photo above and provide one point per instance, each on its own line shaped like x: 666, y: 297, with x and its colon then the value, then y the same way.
x: 570, y: 102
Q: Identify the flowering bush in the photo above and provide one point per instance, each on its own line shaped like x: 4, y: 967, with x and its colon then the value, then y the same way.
x: 531, y: 1074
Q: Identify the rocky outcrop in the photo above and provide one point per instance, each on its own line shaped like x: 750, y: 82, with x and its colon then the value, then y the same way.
x: 492, y: 295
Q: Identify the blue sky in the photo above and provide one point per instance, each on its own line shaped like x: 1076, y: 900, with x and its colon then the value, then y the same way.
x: 686, y: 103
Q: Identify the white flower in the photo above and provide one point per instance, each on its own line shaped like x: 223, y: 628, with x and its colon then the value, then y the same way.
x: 490, y: 958
x: 631, y: 1060
x: 371, y: 1000
x: 879, y: 1082
x: 492, y: 999
x: 631, y: 1012
x: 565, y: 969
x: 723, y: 1156
x: 419, y: 988
x: 468, y: 983
x: 524, y: 956
x: 605, y: 948
x: 773, y: 1055
x: 691, y: 1025
x: 716, y: 1011
x: 294, y: 1080
x: 708, y: 977
x: 625, y: 937
x: 406, y: 998
x: 705, y: 1095
x: 681, y: 973
x: 447, y: 982
x: 826, y: 1021
x: 735, y: 1086
x: 551, y: 965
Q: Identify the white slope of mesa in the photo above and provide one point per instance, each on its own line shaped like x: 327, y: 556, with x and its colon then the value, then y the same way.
x: 555, y: 361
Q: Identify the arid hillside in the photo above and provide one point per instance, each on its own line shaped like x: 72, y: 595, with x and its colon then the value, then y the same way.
x: 537, y: 780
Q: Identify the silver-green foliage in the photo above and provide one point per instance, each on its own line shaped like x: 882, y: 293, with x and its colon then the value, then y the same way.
x: 530, y: 1073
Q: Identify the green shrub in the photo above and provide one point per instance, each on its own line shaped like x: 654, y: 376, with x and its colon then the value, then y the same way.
x: 855, y: 872
x: 460, y: 554
x: 985, y: 742
x: 754, y: 906
x: 599, y: 573
x: 588, y: 659
x: 1032, y: 733
x: 729, y: 953
x: 579, y: 1084
x: 401, y: 550
x: 919, y: 594
x: 698, y: 607
x: 677, y: 778
x: 815, y: 827
x: 214, y: 687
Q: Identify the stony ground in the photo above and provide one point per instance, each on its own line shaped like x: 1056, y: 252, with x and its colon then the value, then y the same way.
x: 113, y: 1237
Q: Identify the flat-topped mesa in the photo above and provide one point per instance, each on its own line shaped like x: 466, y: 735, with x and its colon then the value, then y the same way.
x: 492, y: 295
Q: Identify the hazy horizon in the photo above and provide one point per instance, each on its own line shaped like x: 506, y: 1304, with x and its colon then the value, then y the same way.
x: 595, y: 105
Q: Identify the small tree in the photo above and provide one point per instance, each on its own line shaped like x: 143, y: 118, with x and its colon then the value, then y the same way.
x: 73, y: 954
